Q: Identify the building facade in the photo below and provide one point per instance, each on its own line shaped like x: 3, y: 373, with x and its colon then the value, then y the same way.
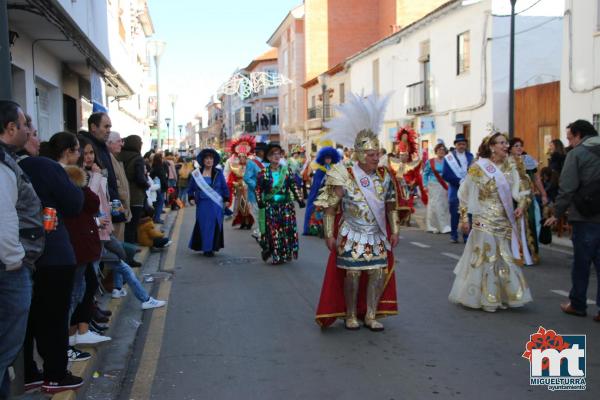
x: 580, y: 74
x: 320, y: 34
x: 72, y: 58
x: 447, y: 73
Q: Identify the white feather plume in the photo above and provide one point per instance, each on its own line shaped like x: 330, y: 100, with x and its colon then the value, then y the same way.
x: 356, y: 114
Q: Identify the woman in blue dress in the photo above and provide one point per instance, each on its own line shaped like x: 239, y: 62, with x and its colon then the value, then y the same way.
x: 209, y: 190
x: 313, y: 220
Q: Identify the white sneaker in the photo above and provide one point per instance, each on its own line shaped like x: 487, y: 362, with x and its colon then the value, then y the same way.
x: 153, y: 303
x: 167, y: 244
x: 118, y: 293
x: 90, y: 338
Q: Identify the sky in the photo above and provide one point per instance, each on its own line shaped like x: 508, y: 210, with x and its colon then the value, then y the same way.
x: 207, y: 41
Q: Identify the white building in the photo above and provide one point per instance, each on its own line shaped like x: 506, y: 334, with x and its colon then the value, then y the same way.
x: 448, y: 72
x: 580, y: 78
x: 72, y: 57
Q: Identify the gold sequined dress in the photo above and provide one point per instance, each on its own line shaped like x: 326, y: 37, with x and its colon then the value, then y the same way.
x: 486, y: 274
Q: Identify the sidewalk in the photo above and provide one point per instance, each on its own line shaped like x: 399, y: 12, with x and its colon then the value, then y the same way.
x: 85, y: 369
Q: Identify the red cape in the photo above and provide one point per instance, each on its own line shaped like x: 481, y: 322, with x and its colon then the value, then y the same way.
x: 332, y: 304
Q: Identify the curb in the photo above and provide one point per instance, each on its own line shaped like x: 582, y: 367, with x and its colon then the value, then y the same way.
x: 85, y: 369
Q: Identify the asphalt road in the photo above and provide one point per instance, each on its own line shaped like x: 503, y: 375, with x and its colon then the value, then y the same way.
x: 237, y: 328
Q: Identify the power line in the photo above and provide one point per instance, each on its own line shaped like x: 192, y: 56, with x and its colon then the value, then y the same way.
x: 528, y: 29
x: 517, y: 13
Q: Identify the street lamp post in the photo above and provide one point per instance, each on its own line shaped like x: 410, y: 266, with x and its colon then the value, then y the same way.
x: 168, y: 122
x: 155, y: 48
x: 180, y: 128
x: 511, y: 83
x: 173, y: 99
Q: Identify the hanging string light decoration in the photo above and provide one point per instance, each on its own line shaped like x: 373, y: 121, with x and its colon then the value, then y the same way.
x: 243, y: 85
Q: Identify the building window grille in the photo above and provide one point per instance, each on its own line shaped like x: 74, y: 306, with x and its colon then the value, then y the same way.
x: 463, y: 52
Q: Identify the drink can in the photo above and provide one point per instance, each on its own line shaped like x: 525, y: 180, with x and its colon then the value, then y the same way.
x: 49, y: 218
x: 116, y: 207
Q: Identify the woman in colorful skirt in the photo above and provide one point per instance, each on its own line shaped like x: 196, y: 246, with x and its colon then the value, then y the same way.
x: 313, y: 219
x: 208, y: 190
x: 275, y: 192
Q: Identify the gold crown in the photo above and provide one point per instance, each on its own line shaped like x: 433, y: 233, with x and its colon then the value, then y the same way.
x: 366, y: 140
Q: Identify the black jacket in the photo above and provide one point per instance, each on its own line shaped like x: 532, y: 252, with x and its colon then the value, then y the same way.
x: 55, y: 189
x: 135, y: 171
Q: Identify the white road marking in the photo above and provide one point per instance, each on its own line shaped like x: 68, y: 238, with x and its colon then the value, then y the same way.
x: 566, y: 294
x: 451, y: 255
x: 421, y: 245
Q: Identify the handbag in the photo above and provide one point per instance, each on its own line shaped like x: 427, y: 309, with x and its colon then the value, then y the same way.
x: 545, y: 234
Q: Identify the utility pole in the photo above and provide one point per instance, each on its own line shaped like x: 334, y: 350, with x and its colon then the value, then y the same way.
x: 511, y: 84
x: 5, y: 65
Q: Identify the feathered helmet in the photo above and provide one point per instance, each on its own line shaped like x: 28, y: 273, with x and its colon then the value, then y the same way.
x: 325, y: 152
x: 406, y: 140
x: 244, y: 145
x: 358, y: 123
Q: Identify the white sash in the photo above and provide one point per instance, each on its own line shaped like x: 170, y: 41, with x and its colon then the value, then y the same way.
x: 367, y: 188
x: 459, y: 170
x: 206, y: 188
x: 505, y: 193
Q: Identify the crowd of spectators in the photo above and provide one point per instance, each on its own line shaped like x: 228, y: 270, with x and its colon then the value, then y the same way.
x: 72, y: 208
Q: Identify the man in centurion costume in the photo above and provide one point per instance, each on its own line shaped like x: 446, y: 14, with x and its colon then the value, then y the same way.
x: 360, y: 223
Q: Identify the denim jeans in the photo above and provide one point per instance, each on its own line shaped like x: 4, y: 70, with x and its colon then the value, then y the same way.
x: 586, y: 248
x: 454, y: 220
x: 123, y: 272
x: 159, y: 204
x: 15, y: 300
x: 78, y: 288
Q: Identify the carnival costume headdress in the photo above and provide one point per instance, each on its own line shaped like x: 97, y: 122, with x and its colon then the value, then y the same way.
x: 242, y: 145
x: 325, y: 152
x: 358, y: 123
x: 407, y: 142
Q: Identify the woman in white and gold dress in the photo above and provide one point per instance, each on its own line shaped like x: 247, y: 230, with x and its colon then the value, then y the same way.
x: 486, y: 275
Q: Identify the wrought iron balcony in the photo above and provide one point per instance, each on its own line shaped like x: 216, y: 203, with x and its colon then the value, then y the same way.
x: 418, y: 98
x: 321, y: 112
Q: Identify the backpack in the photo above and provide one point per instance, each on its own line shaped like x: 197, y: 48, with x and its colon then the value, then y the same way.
x: 587, y: 197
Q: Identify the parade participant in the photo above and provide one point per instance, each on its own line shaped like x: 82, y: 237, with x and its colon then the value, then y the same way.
x: 253, y: 168
x: 240, y: 148
x: 357, y: 200
x: 313, y: 218
x: 209, y: 191
x: 527, y: 168
x: 438, y: 219
x: 295, y: 164
x: 275, y: 188
x: 456, y: 165
x: 486, y: 274
x: 406, y: 166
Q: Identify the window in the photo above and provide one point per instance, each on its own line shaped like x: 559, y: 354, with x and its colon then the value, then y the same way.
x: 376, y: 76
x: 342, y: 93
x: 313, y: 101
x: 463, y: 53
x: 596, y: 122
x: 284, y: 62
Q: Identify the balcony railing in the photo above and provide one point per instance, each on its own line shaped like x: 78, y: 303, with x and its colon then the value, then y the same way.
x: 324, y: 112
x: 418, y: 98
